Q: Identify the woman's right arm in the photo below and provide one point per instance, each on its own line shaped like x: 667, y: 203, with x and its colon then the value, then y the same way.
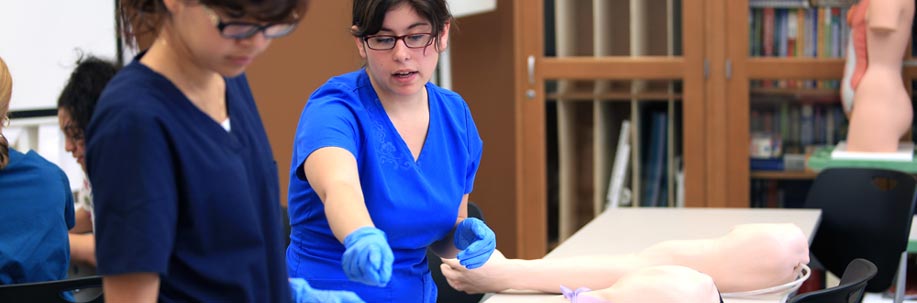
x: 135, y: 287
x: 83, y: 220
x: 82, y: 241
x: 333, y: 174
x: 83, y: 248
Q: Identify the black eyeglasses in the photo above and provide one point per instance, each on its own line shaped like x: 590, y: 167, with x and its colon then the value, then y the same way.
x: 245, y: 30
x: 387, y: 42
x: 72, y: 132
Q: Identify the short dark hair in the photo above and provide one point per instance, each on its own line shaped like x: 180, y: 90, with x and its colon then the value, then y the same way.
x: 141, y: 17
x: 368, y: 15
x: 83, y: 89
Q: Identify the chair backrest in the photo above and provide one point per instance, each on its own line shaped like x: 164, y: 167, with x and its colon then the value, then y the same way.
x: 866, y: 213
x: 50, y: 291
x: 446, y: 293
x: 287, y: 229
x: 850, y: 290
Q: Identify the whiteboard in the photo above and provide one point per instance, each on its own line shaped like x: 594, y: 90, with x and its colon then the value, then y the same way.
x: 462, y: 8
x: 39, y: 40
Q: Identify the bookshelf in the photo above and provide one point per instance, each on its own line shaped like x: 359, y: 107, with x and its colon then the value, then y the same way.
x: 796, y: 70
x: 531, y: 85
x: 594, y: 65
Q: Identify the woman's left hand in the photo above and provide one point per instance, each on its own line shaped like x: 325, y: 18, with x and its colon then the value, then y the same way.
x: 476, y: 242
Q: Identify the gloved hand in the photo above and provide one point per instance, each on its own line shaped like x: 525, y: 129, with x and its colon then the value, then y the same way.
x: 368, y: 258
x: 476, y: 242
x: 303, y: 293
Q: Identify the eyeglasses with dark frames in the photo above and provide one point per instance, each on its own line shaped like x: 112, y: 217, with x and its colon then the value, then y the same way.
x: 72, y: 132
x: 387, y: 42
x: 245, y: 30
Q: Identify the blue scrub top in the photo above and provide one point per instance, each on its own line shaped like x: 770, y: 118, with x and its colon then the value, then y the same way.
x: 415, y: 203
x: 178, y: 195
x: 37, y: 213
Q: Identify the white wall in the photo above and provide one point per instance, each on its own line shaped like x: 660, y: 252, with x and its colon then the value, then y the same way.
x: 39, y: 41
x: 43, y: 135
x: 461, y: 8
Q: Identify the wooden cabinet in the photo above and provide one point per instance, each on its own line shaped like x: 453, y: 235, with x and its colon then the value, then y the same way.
x: 530, y: 103
x: 545, y: 92
x: 746, y: 68
x: 807, y: 79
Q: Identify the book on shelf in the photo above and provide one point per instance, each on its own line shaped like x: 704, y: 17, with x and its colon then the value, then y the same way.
x: 654, y: 177
x: 680, y: 184
x: 778, y: 3
x: 769, y: 164
x: 831, y: 3
x: 776, y: 193
x: 618, y: 195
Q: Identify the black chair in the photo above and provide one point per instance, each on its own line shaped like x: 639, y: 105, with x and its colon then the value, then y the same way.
x: 50, y: 291
x: 850, y: 290
x: 446, y: 293
x: 866, y: 213
x: 287, y: 229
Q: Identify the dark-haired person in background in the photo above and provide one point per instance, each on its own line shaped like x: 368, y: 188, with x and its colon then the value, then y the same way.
x: 74, y: 109
x: 185, y: 185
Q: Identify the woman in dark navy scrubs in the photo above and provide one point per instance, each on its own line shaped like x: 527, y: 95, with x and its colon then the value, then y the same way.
x: 186, y: 193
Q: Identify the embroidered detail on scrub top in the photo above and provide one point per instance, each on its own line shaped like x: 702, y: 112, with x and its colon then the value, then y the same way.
x: 388, y: 150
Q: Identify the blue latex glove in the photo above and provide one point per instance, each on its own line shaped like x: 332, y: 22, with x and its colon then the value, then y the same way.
x: 303, y: 293
x: 368, y: 258
x: 476, y: 242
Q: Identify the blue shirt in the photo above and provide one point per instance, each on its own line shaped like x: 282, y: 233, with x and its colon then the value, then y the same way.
x: 37, y: 213
x: 414, y: 202
x: 178, y: 195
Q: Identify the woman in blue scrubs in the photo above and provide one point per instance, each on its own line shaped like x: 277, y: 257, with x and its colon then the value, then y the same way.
x: 37, y: 209
x: 383, y: 163
x: 185, y: 184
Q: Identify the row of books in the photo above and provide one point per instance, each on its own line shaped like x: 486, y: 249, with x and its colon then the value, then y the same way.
x: 778, y: 193
x: 654, y: 184
x: 798, y: 32
x: 799, y: 3
x: 799, y: 124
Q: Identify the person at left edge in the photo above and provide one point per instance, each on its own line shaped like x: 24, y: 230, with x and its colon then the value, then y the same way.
x: 37, y: 208
x: 185, y: 184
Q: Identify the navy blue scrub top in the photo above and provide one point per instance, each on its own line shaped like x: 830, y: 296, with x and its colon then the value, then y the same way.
x: 178, y: 195
x: 414, y: 202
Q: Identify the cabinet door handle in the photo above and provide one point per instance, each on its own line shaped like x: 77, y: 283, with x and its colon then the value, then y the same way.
x: 531, y: 69
x: 706, y: 69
